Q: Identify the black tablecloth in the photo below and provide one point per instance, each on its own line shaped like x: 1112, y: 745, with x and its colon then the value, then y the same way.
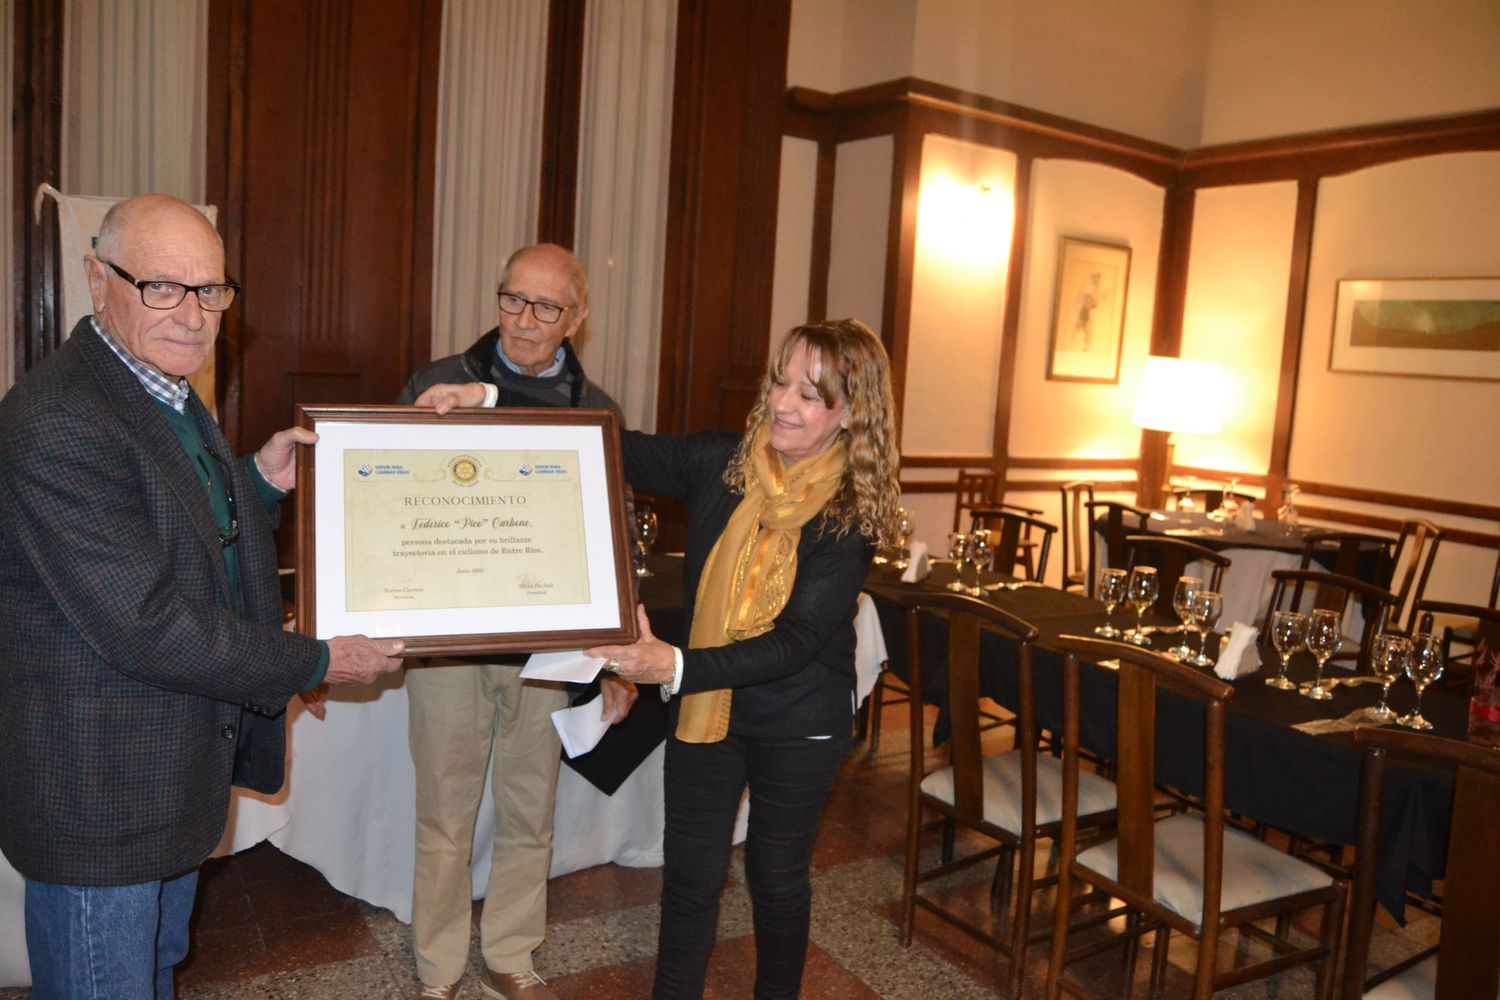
x: 1306, y: 785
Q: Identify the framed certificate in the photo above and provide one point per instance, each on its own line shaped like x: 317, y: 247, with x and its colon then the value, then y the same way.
x: 482, y: 531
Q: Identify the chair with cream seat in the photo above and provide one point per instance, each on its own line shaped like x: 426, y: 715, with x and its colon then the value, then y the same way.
x: 1012, y: 798
x: 1077, y: 534
x: 1465, y: 965
x: 1188, y: 873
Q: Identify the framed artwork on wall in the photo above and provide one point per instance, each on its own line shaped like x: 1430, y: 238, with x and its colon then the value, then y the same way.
x: 1088, y: 311
x: 1435, y: 327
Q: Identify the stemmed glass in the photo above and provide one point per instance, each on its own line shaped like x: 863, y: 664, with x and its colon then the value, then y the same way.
x: 978, y: 558
x: 1324, y: 635
x: 1206, y: 608
x: 1140, y: 593
x: 1182, y: 598
x: 1423, y: 666
x: 958, y: 552
x: 904, y: 528
x: 1288, y: 634
x: 1388, y: 656
x: 1111, y: 592
x: 645, y: 537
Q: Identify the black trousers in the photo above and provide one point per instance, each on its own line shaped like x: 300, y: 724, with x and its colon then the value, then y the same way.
x: 789, y: 783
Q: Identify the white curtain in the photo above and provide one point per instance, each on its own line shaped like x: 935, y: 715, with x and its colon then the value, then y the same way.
x: 7, y: 215
x: 489, y: 132
x: 134, y: 98
x: 624, y: 153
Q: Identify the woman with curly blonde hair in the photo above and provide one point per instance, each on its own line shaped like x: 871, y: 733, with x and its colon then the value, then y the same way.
x: 782, y: 523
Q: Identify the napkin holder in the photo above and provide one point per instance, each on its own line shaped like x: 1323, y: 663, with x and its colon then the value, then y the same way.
x: 1244, y: 517
x: 918, y: 565
x: 1238, y: 655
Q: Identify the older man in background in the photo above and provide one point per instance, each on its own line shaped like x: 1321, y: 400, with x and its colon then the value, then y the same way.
x: 145, y: 668
x: 460, y: 708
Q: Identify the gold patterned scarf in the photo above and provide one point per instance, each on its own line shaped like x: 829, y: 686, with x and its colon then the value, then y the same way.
x: 750, y: 570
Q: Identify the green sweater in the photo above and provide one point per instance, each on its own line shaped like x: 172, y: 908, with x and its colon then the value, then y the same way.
x: 214, y: 476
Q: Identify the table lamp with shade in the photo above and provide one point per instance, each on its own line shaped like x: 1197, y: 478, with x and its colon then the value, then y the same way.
x: 1179, y: 396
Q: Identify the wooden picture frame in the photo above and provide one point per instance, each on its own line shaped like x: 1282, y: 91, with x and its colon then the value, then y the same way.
x: 1430, y: 327
x: 482, y: 531
x: 1088, y: 311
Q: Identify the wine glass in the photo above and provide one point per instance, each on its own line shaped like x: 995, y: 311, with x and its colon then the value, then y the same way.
x: 1182, y: 597
x: 958, y: 553
x: 1324, y: 635
x: 1388, y: 655
x: 1288, y: 634
x: 1140, y: 593
x: 905, y: 527
x: 645, y: 537
x: 1111, y: 592
x: 1423, y: 666
x: 978, y: 559
x: 1206, y: 608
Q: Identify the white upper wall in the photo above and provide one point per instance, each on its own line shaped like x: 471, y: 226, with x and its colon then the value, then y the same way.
x: 1370, y: 60
x: 1184, y: 72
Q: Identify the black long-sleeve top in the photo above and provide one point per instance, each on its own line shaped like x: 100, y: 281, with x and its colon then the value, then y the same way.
x: 797, y: 679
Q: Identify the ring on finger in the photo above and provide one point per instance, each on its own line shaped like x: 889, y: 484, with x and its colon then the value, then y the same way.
x: 613, y: 666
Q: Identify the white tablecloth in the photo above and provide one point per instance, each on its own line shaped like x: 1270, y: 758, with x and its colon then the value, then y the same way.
x: 348, y: 807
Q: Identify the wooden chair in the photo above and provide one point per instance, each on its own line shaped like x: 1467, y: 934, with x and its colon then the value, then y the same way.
x: 973, y: 489
x: 1416, y: 550
x: 1305, y: 590
x: 1120, y: 519
x: 1017, y: 541
x: 1371, y: 558
x: 1077, y: 535
x: 1012, y: 798
x: 1186, y: 873
x: 1465, y: 965
x: 1465, y: 635
x: 1171, y: 557
x: 1483, y: 632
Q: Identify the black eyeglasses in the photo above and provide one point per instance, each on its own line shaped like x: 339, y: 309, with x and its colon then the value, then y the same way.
x: 227, y: 536
x: 158, y: 294
x: 545, y: 312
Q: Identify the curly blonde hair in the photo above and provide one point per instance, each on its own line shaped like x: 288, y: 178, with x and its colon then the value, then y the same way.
x: 854, y: 367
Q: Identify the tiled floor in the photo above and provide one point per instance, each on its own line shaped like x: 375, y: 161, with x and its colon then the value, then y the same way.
x: 268, y: 926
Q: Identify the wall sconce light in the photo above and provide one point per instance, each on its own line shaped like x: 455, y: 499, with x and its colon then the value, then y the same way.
x: 1180, y: 397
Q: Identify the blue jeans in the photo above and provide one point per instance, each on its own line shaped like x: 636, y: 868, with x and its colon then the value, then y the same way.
x: 91, y: 942
x: 789, y: 782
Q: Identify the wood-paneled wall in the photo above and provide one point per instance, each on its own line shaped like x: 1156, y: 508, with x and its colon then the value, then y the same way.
x: 322, y: 118
x: 721, y: 221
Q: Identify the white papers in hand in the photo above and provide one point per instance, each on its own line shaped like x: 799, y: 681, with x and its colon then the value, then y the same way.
x: 1238, y: 655
x: 567, y: 665
x: 580, y: 728
x: 918, y: 568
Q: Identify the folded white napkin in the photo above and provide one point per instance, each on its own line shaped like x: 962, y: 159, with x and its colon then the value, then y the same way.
x: 564, y: 665
x: 1244, y: 517
x: 1238, y: 656
x: 917, y: 568
x: 580, y: 728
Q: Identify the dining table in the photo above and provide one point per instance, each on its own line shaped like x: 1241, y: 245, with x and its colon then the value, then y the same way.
x: 1276, y: 773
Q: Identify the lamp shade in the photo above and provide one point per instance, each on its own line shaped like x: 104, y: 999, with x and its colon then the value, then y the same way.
x: 1180, y: 396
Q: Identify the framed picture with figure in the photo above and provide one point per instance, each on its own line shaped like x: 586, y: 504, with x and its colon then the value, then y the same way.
x: 1088, y: 312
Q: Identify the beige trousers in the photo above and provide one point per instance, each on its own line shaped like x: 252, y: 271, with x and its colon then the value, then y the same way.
x: 457, y: 711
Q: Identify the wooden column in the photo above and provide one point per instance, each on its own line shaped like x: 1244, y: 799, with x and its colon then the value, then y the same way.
x: 36, y: 132
x: 1166, y: 329
x: 557, y: 218
x: 721, y: 218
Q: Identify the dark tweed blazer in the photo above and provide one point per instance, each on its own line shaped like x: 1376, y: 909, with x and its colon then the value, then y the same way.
x: 124, y: 665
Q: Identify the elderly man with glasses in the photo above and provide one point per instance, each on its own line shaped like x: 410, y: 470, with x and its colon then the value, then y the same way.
x: 460, y: 708
x: 145, y: 666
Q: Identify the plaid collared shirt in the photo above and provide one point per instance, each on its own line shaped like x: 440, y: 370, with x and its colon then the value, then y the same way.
x: 173, y: 392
